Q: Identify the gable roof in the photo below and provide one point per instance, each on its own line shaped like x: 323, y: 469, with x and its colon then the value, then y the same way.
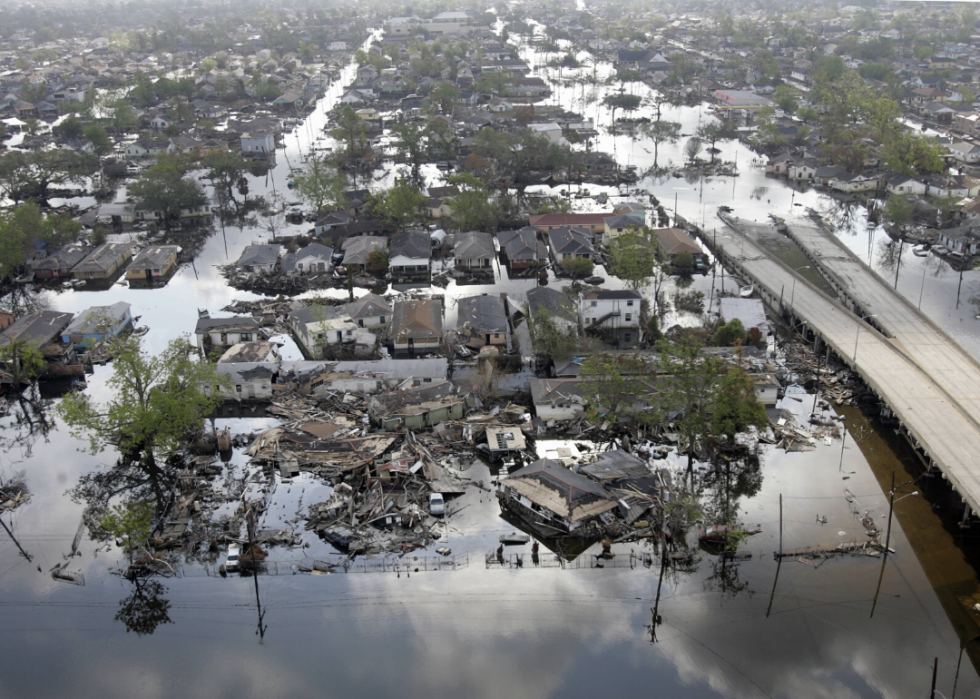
x: 418, y: 318
x: 368, y: 306
x: 415, y: 245
x: 485, y: 312
x: 473, y: 244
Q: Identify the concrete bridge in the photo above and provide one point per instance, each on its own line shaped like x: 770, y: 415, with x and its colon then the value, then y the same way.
x: 930, y: 383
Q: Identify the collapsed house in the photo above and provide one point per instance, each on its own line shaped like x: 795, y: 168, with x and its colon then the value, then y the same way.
x: 418, y: 407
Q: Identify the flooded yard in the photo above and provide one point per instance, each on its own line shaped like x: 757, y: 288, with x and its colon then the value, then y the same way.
x: 846, y: 625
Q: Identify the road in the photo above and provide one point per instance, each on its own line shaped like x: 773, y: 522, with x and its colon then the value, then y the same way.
x: 930, y: 384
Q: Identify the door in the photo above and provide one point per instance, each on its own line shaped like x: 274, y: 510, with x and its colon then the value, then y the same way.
x: 149, y: 274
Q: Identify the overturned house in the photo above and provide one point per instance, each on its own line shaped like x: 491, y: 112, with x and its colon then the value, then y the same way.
x: 555, y: 501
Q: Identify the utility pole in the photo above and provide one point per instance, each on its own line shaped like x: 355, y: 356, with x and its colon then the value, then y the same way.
x: 250, y: 528
x: 779, y: 561
x: 935, y: 667
x: 898, y: 264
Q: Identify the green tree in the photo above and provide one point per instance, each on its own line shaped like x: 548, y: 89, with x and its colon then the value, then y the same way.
x: 619, y: 387
x: 350, y: 131
x: 736, y: 405
x: 402, y: 204
x: 123, y: 115
x: 69, y: 128
x: 145, y: 609
x: 321, y: 186
x: 712, y: 132
x: 377, y: 261
x: 23, y: 359
x: 730, y: 334
x: 474, y: 209
x: 97, y: 137
x: 23, y: 227
x: 786, y: 98
x: 688, y: 383
x: 227, y: 170
x: 632, y: 257
x: 411, y: 148
x: 577, y: 267
x: 132, y: 522
x: 446, y: 95
x: 155, y: 403
x: 164, y: 189
x: 913, y: 155
x: 898, y: 211
x: 28, y: 175
x: 662, y: 132
x: 550, y: 340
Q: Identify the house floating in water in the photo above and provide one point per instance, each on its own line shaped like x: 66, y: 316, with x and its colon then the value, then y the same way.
x: 554, y: 500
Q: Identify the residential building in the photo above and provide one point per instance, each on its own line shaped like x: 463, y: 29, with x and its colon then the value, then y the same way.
x: 416, y: 326
x: 569, y: 243
x: 370, y: 311
x: 474, y: 252
x: 258, y: 142
x: 153, y: 262
x: 750, y: 312
x: 417, y: 407
x: 222, y: 333
x: 61, y: 262
x: 94, y: 324
x: 555, y: 304
x: 557, y: 399
x: 524, y: 252
x: 672, y: 242
x: 358, y: 250
x: 262, y: 259
x: 610, y: 309
x: 596, y: 223
x: 482, y: 320
x: 103, y: 263
x: 408, y: 257
x: 317, y: 326
x: 255, y: 351
x: 315, y: 258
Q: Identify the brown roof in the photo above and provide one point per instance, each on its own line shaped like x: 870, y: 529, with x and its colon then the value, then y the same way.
x: 420, y: 318
x: 675, y: 241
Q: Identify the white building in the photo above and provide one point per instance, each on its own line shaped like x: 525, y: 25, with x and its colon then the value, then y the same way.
x: 258, y: 142
x: 557, y: 399
x: 318, y: 326
x: 550, y: 131
x: 610, y: 309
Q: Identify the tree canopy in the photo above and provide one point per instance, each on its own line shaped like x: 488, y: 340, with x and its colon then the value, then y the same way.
x: 164, y: 189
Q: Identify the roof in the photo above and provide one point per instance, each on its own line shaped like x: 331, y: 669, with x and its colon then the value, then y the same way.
x: 259, y: 255
x: 100, y: 259
x: 419, y: 318
x: 415, y: 401
x: 568, y: 219
x: 39, y: 328
x: 486, y: 313
x: 547, y: 483
x: 65, y: 257
x: 316, y: 251
x: 610, y: 295
x: 154, y: 257
x: 750, y: 311
x: 555, y: 391
x: 571, y: 240
x: 622, y: 221
x: 356, y: 250
x: 319, y: 313
x: 92, y: 320
x: 555, y: 302
x: 523, y: 244
x: 245, y: 352
x: 675, y: 241
x: 368, y: 306
x: 415, y: 245
x: 245, y: 323
x: 616, y: 464
x: 473, y: 244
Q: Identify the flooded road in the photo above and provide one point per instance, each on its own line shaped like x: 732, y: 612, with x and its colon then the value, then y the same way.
x: 848, y: 626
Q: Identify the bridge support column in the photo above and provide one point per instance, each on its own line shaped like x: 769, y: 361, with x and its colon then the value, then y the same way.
x: 965, y: 522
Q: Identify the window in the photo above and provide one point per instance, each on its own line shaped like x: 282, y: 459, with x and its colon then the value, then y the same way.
x: 594, y: 303
x: 627, y: 337
x: 629, y: 316
x: 246, y: 337
x: 629, y: 304
x: 238, y: 388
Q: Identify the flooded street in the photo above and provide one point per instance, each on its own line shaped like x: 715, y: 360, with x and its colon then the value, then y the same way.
x: 847, y: 626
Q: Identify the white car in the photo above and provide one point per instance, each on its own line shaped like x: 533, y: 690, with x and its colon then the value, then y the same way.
x: 437, y: 505
x: 231, y: 564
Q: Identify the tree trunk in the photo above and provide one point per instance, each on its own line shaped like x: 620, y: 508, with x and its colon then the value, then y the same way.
x: 150, y: 464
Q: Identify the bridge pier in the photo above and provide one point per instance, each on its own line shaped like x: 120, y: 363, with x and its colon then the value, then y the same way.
x: 965, y: 522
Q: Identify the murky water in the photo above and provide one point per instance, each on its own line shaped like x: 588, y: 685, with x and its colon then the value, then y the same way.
x: 845, y: 627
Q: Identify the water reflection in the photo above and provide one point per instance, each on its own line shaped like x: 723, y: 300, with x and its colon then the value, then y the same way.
x: 145, y: 608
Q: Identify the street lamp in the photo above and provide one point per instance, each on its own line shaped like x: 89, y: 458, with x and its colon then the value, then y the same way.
x: 858, y: 334
x: 792, y: 294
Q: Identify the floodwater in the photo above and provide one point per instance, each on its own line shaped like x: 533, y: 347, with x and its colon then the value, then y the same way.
x: 842, y: 627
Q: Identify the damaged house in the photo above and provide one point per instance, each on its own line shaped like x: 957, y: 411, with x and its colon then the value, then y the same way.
x: 552, y: 499
x: 263, y: 259
x: 317, y: 326
x: 418, y: 407
x: 222, y: 333
x: 416, y: 326
x: 482, y: 321
x: 370, y: 311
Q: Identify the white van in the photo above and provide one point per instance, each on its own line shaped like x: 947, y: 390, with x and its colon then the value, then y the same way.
x: 437, y: 505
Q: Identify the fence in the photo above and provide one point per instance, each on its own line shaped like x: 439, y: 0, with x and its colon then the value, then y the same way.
x: 553, y: 560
